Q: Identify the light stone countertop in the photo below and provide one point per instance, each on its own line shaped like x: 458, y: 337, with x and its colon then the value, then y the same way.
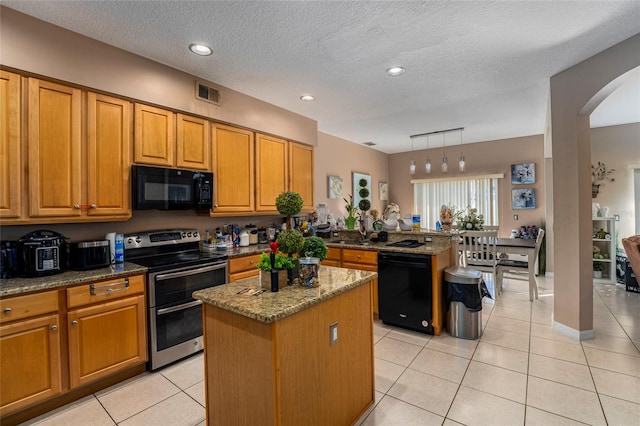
x: 14, y: 286
x: 269, y: 307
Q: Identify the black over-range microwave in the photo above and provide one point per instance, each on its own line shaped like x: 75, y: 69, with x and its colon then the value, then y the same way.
x: 171, y: 189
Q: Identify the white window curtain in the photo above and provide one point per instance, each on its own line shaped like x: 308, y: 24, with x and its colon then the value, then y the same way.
x: 479, y: 192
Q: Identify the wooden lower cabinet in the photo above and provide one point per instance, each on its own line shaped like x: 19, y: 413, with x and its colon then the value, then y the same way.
x: 30, y: 352
x: 287, y: 372
x: 366, y: 260
x: 243, y: 267
x: 105, y: 338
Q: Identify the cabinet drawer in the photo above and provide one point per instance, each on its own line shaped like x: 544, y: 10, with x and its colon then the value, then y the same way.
x: 244, y: 263
x: 333, y: 254
x: 360, y: 256
x: 28, y: 305
x: 104, y: 290
x: 361, y: 266
x: 244, y: 274
x: 328, y: 262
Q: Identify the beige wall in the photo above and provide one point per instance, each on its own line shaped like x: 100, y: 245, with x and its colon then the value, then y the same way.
x: 618, y: 147
x: 482, y: 158
x: 339, y: 157
x: 34, y: 46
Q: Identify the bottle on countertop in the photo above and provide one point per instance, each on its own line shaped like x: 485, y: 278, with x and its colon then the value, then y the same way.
x: 119, y: 248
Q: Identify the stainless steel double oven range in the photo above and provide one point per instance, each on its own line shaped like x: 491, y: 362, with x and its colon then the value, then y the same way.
x: 176, y: 268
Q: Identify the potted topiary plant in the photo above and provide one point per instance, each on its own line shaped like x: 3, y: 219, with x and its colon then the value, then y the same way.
x: 598, y: 268
x: 290, y: 242
x: 289, y: 204
x: 314, y: 247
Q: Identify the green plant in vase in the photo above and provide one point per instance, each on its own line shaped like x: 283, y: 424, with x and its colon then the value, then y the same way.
x: 281, y: 262
x: 289, y: 204
x: 352, y: 210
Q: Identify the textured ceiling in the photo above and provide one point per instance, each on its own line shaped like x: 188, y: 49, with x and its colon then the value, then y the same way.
x: 480, y: 65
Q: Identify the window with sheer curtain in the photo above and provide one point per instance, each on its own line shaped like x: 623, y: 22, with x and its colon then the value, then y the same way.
x: 479, y: 192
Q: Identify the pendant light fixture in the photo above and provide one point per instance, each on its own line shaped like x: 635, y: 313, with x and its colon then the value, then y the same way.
x: 445, y: 166
x: 412, y: 166
x: 427, y: 166
x: 461, y: 164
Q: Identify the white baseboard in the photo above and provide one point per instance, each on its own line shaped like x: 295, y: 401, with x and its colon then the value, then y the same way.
x: 548, y: 274
x: 574, y: 334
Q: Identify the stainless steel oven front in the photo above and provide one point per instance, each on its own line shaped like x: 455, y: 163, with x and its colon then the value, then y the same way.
x: 175, y: 318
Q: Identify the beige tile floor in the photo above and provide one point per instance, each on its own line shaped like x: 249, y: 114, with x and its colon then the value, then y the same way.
x: 520, y: 372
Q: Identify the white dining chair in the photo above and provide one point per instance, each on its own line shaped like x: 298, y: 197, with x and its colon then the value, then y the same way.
x: 517, y: 269
x: 479, y: 250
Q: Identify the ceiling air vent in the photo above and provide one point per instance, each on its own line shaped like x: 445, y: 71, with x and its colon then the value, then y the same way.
x: 207, y: 94
x: 369, y: 143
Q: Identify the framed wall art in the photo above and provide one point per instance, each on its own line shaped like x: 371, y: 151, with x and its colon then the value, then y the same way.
x: 334, y: 187
x: 523, y: 174
x: 383, y: 191
x: 361, y: 187
x: 523, y: 199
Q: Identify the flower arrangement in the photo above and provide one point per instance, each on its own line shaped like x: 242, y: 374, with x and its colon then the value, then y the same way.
x: 389, y: 210
x: 471, y: 221
x: 352, y: 211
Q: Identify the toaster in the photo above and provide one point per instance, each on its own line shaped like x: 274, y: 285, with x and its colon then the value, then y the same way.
x: 86, y: 255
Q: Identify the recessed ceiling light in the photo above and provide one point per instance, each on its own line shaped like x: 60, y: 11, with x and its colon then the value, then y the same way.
x: 307, y: 98
x: 395, y: 71
x: 200, y: 49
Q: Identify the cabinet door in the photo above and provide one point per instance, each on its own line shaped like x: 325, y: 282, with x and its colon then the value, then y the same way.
x: 55, y: 124
x: 155, y: 136
x: 109, y: 155
x: 106, y: 338
x: 233, y: 170
x: 10, y: 142
x: 193, y: 143
x: 271, y: 171
x: 301, y: 173
x: 30, y: 362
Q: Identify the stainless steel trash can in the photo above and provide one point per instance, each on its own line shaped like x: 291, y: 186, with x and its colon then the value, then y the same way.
x: 463, y: 298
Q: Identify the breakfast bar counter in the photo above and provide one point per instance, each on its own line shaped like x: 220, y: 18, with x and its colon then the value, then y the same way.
x: 296, y: 356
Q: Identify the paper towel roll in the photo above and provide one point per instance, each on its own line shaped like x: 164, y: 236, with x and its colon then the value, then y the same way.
x: 111, y: 237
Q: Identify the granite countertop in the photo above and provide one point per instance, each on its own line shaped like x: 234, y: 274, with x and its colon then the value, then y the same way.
x: 13, y: 286
x: 269, y: 307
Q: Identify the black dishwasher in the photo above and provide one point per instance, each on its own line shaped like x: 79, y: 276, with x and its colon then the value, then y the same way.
x: 404, y: 290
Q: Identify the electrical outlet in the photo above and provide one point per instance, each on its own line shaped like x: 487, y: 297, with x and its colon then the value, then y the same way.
x: 515, y: 217
x: 336, y: 234
x: 428, y: 239
x: 617, y: 217
x: 333, y: 333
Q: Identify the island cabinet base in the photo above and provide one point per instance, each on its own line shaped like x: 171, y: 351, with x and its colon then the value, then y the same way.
x: 287, y: 372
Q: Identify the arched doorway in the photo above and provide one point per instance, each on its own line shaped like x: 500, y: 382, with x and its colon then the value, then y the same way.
x: 574, y: 94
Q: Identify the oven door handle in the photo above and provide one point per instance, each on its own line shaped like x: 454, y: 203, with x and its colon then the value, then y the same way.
x: 179, y: 307
x: 161, y: 277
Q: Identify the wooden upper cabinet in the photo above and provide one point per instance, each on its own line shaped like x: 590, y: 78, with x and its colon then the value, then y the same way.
x: 10, y: 142
x: 193, y: 143
x: 55, y: 172
x: 271, y: 171
x: 109, y: 155
x: 233, y: 169
x: 301, y: 173
x: 155, y: 136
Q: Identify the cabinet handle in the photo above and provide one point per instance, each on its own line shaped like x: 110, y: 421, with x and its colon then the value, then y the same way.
x: 358, y: 256
x: 251, y: 262
x: 74, y: 323
x: 93, y: 206
x: 7, y: 311
x: 107, y: 288
x: 76, y: 206
x: 54, y: 327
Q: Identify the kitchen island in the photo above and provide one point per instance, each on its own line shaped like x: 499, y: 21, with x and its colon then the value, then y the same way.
x: 296, y: 356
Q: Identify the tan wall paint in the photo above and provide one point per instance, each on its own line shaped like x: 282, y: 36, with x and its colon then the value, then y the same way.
x: 482, y: 158
x: 339, y: 157
x: 38, y: 47
x: 618, y: 147
x: 571, y: 91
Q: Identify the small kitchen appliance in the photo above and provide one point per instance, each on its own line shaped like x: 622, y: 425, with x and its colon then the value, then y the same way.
x: 171, y: 189
x: 85, y: 255
x: 40, y: 253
